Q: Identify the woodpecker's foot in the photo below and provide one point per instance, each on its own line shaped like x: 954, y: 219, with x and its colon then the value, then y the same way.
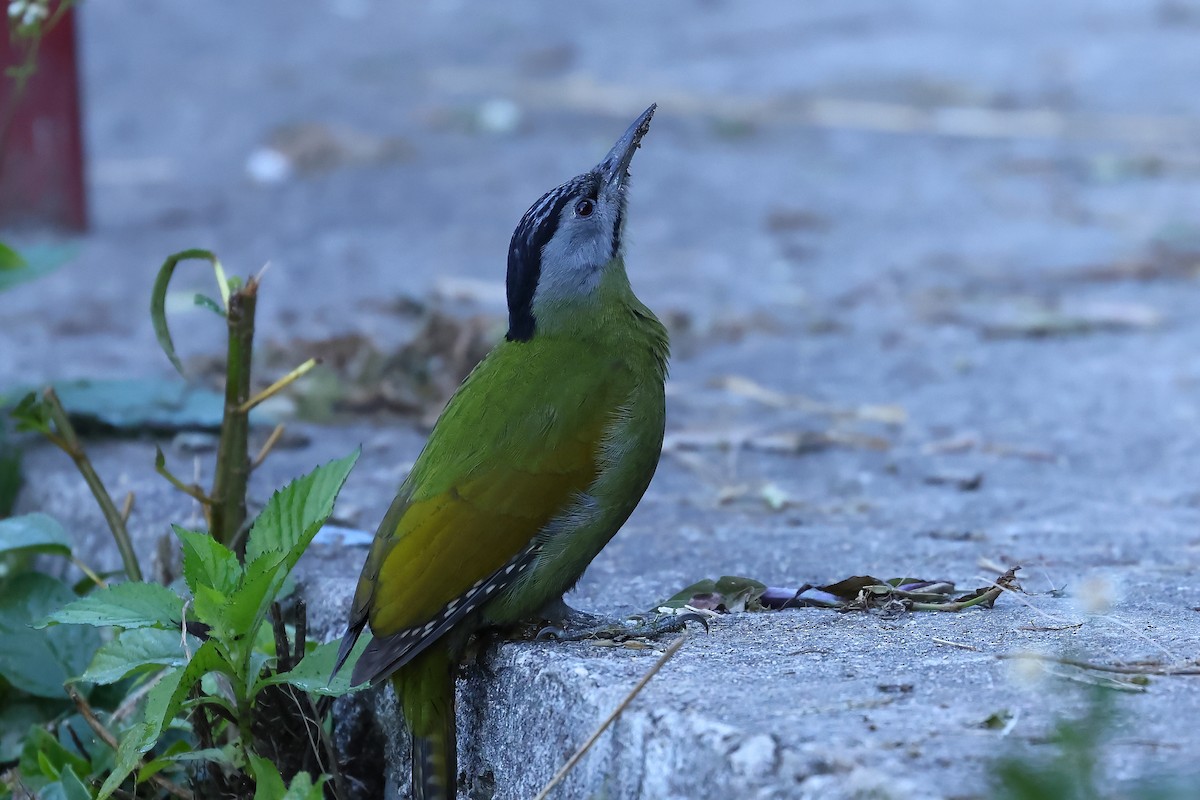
x: 578, y: 626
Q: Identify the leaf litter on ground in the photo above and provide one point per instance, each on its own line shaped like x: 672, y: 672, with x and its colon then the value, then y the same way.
x: 733, y: 594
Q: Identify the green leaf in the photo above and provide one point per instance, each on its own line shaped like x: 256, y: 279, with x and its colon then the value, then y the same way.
x: 73, y: 788
x: 137, y: 740
x: 133, y: 650
x: 10, y: 259
x: 181, y: 753
x: 213, y: 609
x: 43, y: 754
x: 312, y: 673
x: 36, y: 532
x: 36, y: 661
x: 37, y: 260
x: 158, y: 298
x: 248, y: 606
x: 268, y: 784
x: 278, y: 538
x: 126, y: 605
x: 207, y: 562
x: 31, y: 414
x: 296, y: 512
x: 17, y: 716
x: 303, y: 788
x: 204, y: 301
x: 164, y: 701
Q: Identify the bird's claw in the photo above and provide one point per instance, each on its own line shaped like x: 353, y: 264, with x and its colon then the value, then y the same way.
x: 692, y: 616
x: 618, y: 632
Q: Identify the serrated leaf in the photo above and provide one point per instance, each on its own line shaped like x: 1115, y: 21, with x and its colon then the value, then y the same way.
x: 164, y: 701
x: 133, y: 650
x: 312, y: 673
x: 247, y: 607
x: 162, y: 704
x: 36, y: 532
x: 296, y: 512
x: 207, y: 562
x: 126, y: 605
x: 158, y: 299
x: 282, y: 531
x: 212, y: 608
x: 39, y: 661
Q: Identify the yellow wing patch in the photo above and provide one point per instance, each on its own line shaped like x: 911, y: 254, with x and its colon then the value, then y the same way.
x: 442, y: 544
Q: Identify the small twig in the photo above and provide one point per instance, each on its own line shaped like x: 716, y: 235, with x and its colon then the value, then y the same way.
x: 106, y: 736
x: 1021, y: 597
x: 283, y: 653
x: 988, y: 597
x: 89, y: 572
x: 183, y: 629
x: 278, y: 386
x: 301, y: 631
x: 192, y: 490
x: 1134, y: 631
x: 971, y: 647
x: 1012, y: 723
x: 1105, y: 681
x: 130, y: 702
x: 268, y: 445
x: 574, y: 759
x: 330, y: 765
x: 1119, y: 669
x: 127, y: 507
x: 69, y: 443
x: 1049, y: 628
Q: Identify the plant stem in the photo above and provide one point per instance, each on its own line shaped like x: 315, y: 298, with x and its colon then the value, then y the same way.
x: 279, y: 385
x: 233, y: 455
x: 69, y: 442
x: 268, y: 445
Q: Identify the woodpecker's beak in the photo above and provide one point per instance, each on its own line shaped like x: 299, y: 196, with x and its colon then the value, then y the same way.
x: 615, y: 166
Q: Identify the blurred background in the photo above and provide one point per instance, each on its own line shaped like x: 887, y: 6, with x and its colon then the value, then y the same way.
x: 931, y: 271
x: 808, y: 160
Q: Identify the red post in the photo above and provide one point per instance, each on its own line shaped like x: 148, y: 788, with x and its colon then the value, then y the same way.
x: 41, y: 136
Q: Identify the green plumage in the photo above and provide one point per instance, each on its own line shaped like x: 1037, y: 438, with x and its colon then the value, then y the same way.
x: 536, y: 462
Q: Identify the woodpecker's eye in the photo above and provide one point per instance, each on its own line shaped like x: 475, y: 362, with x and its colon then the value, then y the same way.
x: 584, y: 208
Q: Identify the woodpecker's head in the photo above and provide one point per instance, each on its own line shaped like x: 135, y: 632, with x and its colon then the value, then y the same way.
x: 566, y: 239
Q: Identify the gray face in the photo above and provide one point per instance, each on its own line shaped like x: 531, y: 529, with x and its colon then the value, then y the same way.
x: 587, y: 236
x: 567, y: 238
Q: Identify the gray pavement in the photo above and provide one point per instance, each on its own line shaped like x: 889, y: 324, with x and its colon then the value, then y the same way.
x: 938, y: 240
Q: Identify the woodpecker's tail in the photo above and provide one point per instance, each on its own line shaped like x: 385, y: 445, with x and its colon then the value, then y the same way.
x: 425, y: 686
